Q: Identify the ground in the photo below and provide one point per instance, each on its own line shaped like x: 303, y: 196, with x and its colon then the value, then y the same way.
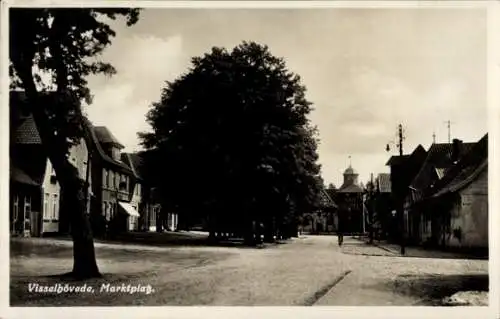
x: 307, y: 271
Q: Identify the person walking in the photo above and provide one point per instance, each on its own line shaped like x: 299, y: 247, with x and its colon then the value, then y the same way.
x: 340, y: 227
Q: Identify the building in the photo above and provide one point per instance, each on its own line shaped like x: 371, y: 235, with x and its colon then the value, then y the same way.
x: 440, y: 157
x: 35, y: 193
x: 349, y: 198
x: 323, y: 220
x: 403, y: 170
x: 146, y: 198
x: 382, y: 206
x: 113, y: 205
x: 457, y: 204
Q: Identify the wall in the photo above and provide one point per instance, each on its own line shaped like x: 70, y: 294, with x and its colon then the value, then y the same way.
x: 135, y: 201
x: 50, y: 200
x: 79, y: 157
x: 470, y: 215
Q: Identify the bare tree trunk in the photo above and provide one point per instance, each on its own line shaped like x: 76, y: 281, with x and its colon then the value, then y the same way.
x: 84, y: 261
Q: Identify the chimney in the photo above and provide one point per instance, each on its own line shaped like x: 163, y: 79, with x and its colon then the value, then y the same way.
x: 456, y: 150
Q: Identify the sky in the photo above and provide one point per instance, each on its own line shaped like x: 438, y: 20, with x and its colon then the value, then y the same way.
x: 365, y: 70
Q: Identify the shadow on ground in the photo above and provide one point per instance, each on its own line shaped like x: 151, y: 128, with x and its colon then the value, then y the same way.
x: 431, y: 289
x: 183, y: 239
x: 152, y: 239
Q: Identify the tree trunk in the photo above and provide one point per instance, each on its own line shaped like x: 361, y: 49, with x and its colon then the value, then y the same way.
x: 84, y: 261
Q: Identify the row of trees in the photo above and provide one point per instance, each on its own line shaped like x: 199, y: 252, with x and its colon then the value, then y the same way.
x: 231, y: 144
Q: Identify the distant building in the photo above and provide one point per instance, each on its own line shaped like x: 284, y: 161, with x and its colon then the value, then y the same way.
x: 383, y: 205
x: 322, y: 220
x: 349, y: 198
x: 148, y: 200
x: 403, y: 170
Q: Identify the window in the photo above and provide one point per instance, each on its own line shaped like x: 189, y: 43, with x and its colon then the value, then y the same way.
x: 27, y: 212
x: 105, y: 178
x: 117, y: 181
x: 15, y: 209
x: 55, y: 205
x: 46, y: 213
x: 111, y: 180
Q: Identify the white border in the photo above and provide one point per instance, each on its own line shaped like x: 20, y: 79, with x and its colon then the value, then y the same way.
x: 255, y: 312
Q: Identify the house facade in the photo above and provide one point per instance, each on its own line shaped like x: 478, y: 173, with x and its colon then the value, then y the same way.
x: 458, y: 202
x: 113, y: 185
x: 417, y: 215
x: 34, y: 188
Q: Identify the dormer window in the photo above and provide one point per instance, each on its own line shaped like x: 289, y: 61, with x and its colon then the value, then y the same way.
x: 115, y: 153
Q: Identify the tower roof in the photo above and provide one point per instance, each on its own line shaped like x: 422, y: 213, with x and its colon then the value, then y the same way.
x: 350, y: 171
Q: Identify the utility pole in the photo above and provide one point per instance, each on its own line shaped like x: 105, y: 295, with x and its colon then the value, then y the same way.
x: 399, y: 196
x: 400, y: 138
x: 401, y: 203
x: 448, y: 123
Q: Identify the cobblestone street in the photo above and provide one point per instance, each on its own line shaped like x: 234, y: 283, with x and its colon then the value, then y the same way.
x: 311, y: 270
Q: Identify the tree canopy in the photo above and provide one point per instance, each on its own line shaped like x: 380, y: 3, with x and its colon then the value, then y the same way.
x: 232, y: 140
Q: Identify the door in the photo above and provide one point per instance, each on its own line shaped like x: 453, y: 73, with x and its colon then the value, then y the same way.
x: 36, y: 225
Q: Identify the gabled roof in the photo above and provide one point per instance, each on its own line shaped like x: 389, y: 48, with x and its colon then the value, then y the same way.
x: 439, y: 156
x: 134, y: 161
x: 326, y: 200
x: 384, y: 182
x: 397, y: 160
x: 26, y: 132
x: 27, y: 159
x: 351, y: 188
x: 96, y: 145
x: 105, y: 136
x: 466, y: 170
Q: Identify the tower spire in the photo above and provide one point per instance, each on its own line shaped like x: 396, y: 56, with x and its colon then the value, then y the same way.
x: 434, y: 137
x: 350, y: 161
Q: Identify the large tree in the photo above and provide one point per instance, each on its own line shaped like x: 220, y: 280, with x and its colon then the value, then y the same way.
x: 63, y: 46
x: 232, y: 141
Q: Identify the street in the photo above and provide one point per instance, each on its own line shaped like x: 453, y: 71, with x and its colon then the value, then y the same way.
x: 306, y: 271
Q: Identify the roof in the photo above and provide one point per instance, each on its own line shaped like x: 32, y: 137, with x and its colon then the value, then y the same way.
x: 20, y: 176
x: 439, y: 156
x: 351, y: 188
x: 384, y: 182
x: 105, y: 136
x: 466, y: 170
x: 326, y: 200
x: 350, y: 171
x: 398, y: 160
x: 98, y: 147
x: 134, y: 161
x: 26, y: 132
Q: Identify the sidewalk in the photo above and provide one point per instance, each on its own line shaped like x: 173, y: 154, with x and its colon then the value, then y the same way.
x: 380, y: 277
x: 418, y: 252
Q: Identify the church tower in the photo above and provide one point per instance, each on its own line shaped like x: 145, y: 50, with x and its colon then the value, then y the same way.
x: 350, y: 177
